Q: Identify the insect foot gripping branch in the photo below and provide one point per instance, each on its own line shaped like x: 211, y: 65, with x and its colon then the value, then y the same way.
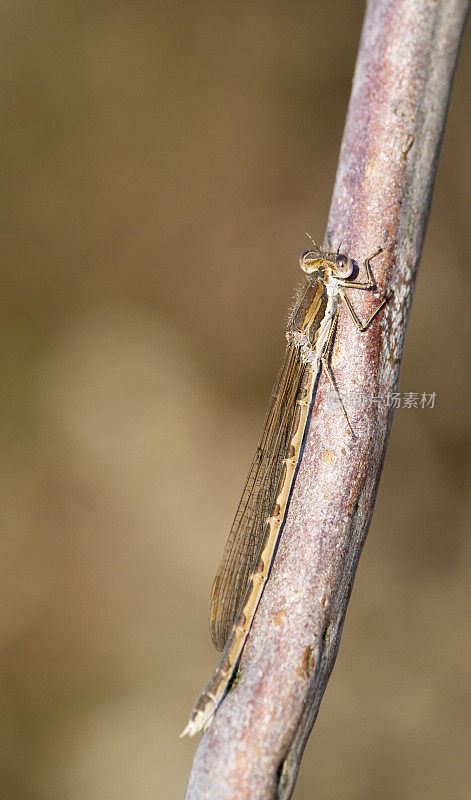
x: 260, y: 516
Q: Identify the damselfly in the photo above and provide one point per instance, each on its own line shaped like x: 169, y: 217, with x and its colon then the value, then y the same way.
x: 262, y: 509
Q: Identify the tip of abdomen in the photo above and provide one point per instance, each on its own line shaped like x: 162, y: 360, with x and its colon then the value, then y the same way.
x: 199, y: 720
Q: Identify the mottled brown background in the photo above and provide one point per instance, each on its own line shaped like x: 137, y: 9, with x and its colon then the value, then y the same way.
x: 161, y: 163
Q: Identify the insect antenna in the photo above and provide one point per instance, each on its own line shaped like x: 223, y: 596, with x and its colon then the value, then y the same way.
x: 312, y: 240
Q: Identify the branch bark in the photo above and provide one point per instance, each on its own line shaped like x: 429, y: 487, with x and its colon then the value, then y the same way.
x: 382, y: 195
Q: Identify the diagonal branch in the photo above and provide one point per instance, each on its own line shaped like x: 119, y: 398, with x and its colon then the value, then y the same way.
x: 387, y: 166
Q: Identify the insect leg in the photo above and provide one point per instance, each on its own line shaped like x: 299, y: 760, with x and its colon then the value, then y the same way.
x: 362, y: 326
x: 325, y: 358
x: 370, y: 283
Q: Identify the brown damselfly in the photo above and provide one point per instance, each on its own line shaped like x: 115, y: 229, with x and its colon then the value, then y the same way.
x: 260, y: 515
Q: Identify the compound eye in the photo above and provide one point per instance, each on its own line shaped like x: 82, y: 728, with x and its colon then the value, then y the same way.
x: 308, y: 261
x: 344, y: 266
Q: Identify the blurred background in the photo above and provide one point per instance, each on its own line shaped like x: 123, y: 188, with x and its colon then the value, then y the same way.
x: 161, y: 162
